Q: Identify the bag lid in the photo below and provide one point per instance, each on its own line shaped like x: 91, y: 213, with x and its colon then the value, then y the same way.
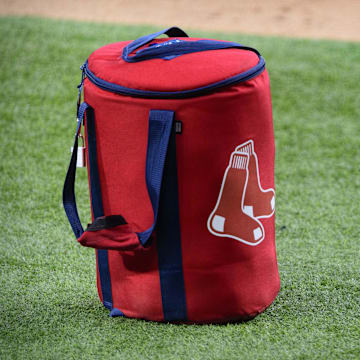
x: 173, y: 65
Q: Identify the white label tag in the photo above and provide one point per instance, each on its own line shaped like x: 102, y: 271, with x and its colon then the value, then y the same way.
x: 81, y: 158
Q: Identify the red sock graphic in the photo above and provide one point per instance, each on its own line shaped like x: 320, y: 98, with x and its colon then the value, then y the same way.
x: 258, y: 202
x: 228, y: 219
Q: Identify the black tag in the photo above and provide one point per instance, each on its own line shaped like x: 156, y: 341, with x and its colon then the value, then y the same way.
x: 106, y: 222
x: 178, y: 127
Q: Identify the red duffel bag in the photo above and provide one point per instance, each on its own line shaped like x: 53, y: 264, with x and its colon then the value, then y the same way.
x: 180, y: 150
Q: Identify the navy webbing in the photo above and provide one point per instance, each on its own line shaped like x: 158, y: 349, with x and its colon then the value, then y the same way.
x: 69, y: 200
x: 97, y: 208
x: 169, y: 239
x: 160, y: 125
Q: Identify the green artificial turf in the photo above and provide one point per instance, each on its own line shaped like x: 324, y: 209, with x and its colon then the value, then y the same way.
x: 49, y: 307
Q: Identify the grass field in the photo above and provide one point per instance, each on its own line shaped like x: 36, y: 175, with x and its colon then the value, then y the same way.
x: 48, y: 301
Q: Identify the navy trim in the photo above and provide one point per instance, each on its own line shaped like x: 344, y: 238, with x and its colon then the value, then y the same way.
x: 97, y: 208
x: 169, y: 241
x: 160, y: 125
x: 69, y: 200
x: 182, y: 94
x: 116, y: 312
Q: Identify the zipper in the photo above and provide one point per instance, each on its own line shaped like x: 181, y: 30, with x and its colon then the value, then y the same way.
x: 181, y: 94
x: 80, y: 87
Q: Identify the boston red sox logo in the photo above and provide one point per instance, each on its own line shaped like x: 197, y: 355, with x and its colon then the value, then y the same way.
x: 242, y: 201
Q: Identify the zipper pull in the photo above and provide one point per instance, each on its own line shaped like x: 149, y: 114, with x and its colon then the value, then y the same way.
x: 80, y: 87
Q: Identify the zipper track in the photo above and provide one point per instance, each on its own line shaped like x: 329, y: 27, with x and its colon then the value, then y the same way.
x: 182, y: 94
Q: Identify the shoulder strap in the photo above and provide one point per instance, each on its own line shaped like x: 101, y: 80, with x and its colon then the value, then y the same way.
x: 69, y: 200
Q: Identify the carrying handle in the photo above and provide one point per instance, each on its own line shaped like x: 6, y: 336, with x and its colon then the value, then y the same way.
x: 170, y: 32
x: 173, y: 48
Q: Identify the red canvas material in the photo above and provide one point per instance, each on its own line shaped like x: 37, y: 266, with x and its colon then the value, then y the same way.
x: 120, y: 237
x: 225, y: 193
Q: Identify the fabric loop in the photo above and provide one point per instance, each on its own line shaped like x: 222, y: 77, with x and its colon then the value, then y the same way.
x: 173, y: 48
x: 171, y: 32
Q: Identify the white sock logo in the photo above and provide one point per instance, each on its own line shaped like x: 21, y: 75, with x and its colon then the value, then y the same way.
x: 242, y: 201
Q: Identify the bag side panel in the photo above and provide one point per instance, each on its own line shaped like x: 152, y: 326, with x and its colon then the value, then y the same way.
x: 227, y: 279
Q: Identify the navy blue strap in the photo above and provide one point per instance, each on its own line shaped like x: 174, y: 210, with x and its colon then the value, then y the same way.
x: 98, y: 209
x: 69, y: 200
x: 171, y: 32
x: 168, y: 235
x: 174, y: 48
x: 160, y: 124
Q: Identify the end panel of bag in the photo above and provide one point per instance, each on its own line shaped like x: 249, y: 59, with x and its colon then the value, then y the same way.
x: 234, y: 274
x: 122, y: 131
